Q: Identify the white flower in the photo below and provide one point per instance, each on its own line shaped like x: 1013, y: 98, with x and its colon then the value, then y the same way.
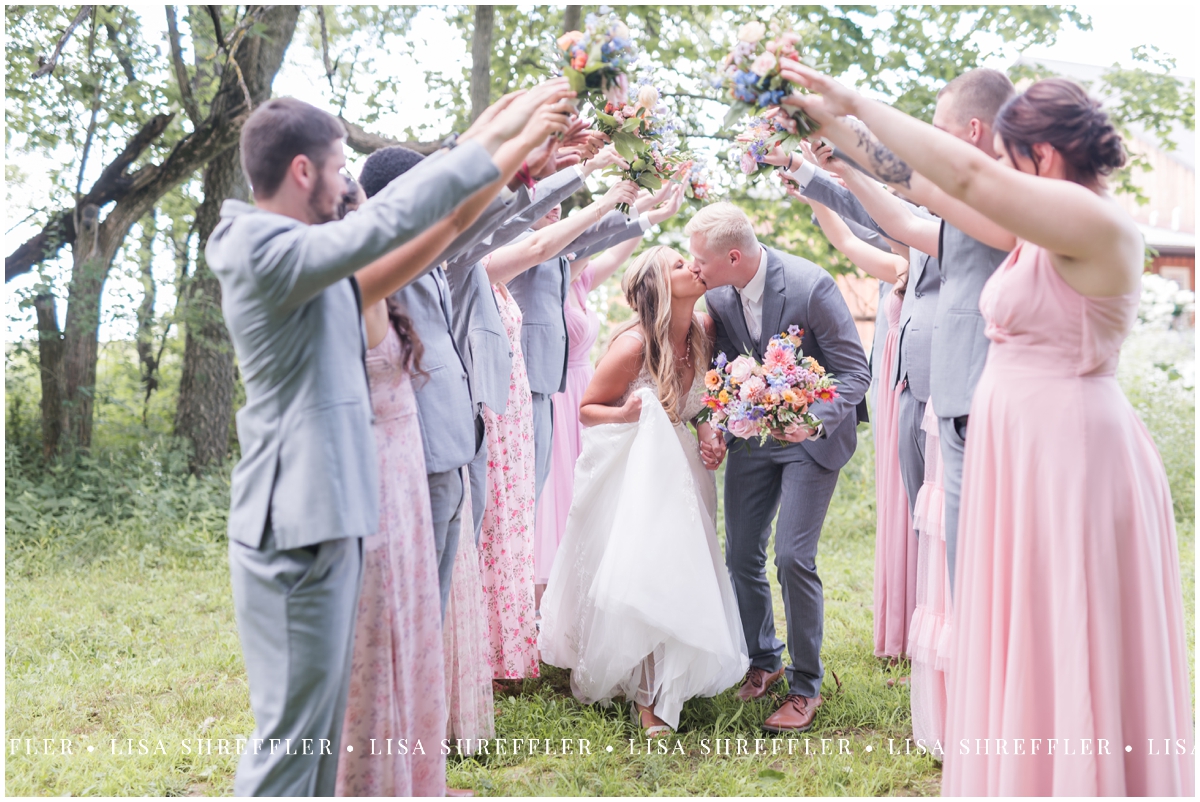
x: 620, y: 30
x: 752, y: 32
x: 647, y: 97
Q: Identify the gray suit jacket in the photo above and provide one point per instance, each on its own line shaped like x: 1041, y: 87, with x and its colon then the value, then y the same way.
x: 477, y: 328
x: 959, y: 344
x: 802, y: 294
x: 541, y: 292
x: 308, y: 453
x: 445, y: 407
x: 504, y: 221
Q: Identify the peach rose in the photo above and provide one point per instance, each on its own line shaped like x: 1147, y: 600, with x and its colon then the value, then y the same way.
x: 763, y: 64
x: 741, y: 369
x: 569, y: 39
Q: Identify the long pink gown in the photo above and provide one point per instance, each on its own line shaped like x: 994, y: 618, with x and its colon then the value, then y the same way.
x: 929, y: 634
x: 506, y: 544
x: 582, y: 329
x: 1068, y: 612
x: 396, y: 690
x: 895, y: 544
x: 469, y: 699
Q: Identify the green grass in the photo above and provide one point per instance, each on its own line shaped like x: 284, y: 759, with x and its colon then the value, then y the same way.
x: 120, y: 626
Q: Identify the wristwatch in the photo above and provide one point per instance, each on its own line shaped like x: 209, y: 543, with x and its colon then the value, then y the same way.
x: 450, y: 142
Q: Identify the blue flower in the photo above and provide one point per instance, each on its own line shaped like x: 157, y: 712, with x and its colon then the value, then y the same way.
x: 721, y: 360
x: 794, y: 330
x: 770, y: 98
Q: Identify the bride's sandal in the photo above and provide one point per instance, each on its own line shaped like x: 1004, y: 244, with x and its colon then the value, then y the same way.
x: 654, y: 730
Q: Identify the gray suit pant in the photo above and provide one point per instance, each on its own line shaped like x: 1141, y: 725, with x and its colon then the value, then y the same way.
x: 295, y: 611
x: 954, y: 447
x: 446, y: 501
x: 912, y: 445
x: 477, y: 477
x: 543, y: 438
x: 758, y: 482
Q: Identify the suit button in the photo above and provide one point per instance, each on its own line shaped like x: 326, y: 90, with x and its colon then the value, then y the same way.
x: 563, y: 337
x: 510, y: 354
x: 919, y: 293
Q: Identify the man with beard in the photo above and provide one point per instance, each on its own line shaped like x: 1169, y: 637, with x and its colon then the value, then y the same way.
x: 305, y: 491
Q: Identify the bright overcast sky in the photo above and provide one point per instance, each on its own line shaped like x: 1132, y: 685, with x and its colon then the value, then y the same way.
x: 1116, y: 30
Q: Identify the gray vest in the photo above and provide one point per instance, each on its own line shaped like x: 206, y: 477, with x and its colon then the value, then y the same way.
x: 444, y: 406
x: 959, y: 344
x: 916, y: 323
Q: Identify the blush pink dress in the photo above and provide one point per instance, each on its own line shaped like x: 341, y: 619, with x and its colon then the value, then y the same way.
x: 1068, y: 613
x: 895, y: 544
x: 582, y: 329
x: 469, y: 699
x: 929, y: 634
x: 396, y: 687
x: 506, y: 543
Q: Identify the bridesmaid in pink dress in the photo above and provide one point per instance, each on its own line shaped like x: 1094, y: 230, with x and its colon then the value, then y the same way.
x: 929, y: 634
x: 583, y: 326
x: 506, y: 544
x: 1069, y: 668
x: 895, y: 545
x: 397, y: 690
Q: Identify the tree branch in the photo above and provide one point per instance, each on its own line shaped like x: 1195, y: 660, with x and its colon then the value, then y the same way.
x: 366, y: 143
x: 111, y: 184
x: 181, y: 77
x: 215, y: 13
x: 325, y: 47
x: 47, y: 67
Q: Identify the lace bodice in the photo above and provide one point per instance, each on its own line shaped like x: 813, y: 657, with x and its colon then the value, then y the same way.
x: 695, y: 397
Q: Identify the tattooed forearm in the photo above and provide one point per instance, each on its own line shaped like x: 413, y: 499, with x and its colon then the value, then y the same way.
x: 885, y: 164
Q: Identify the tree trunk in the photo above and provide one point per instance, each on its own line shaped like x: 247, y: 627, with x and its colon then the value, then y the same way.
x: 50, y: 361
x: 481, y: 59
x: 259, y: 56
x: 206, y: 388
x: 147, y: 360
x: 572, y: 16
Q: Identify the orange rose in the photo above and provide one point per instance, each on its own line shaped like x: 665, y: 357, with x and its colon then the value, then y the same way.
x: 580, y: 61
x: 569, y: 39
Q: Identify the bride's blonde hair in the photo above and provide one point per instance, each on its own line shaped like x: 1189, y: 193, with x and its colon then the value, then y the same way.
x: 647, y: 288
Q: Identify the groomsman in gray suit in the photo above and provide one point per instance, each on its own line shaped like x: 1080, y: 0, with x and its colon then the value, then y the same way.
x: 916, y: 228
x: 305, y: 490
x: 966, y: 108
x: 541, y: 292
x: 755, y: 293
x: 478, y: 330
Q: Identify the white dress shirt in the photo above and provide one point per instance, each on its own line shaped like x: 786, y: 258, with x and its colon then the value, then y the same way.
x: 752, y: 297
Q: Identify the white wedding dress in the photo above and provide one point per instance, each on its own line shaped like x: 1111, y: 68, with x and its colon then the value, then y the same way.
x: 639, y: 603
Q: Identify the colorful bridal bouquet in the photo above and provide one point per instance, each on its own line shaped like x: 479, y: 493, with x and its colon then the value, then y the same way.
x: 751, y: 78
x: 748, y: 399
x: 760, y: 138
x: 596, y: 59
x: 644, y: 133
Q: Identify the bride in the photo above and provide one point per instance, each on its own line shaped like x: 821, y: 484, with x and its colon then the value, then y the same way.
x: 639, y: 602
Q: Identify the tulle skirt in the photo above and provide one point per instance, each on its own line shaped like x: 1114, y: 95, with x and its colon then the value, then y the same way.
x: 639, y: 603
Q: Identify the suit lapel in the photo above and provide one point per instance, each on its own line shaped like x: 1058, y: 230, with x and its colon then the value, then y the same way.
x: 772, y: 314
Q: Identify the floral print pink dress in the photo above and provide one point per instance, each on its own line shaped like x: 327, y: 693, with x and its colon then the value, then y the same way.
x: 397, y: 685
x: 506, y: 543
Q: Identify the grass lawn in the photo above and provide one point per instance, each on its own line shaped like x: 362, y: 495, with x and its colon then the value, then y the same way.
x: 133, y: 653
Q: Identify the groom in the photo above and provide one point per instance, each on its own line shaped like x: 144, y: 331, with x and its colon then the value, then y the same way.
x: 756, y: 293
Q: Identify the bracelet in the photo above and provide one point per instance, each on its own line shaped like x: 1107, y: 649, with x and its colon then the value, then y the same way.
x: 789, y: 167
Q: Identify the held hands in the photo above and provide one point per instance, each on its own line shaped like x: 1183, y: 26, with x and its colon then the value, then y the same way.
x: 831, y: 99
x: 519, y: 110
x: 620, y: 192
x: 798, y: 434
x: 605, y: 158
x: 712, y: 446
x: 669, y: 207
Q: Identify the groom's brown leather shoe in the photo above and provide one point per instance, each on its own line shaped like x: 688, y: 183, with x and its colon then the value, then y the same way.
x: 758, y: 681
x: 795, y: 715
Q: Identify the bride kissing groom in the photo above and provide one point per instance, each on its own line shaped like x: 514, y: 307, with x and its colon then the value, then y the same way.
x: 639, y: 603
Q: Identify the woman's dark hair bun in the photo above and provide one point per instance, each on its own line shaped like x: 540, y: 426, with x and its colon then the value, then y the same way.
x: 1059, y: 112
